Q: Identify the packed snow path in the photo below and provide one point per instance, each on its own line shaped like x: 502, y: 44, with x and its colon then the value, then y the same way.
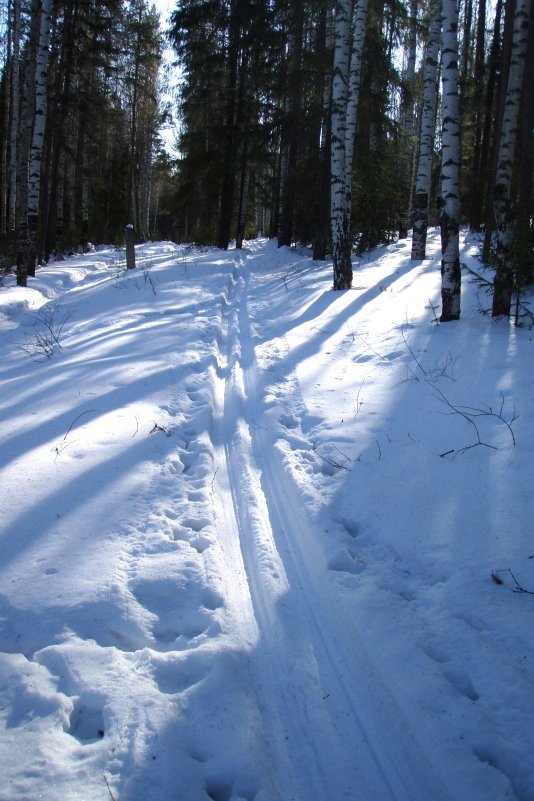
x: 230, y: 575
x: 309, y: 671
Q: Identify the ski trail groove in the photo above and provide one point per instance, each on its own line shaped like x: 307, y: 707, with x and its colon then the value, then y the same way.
x: 304, y: 679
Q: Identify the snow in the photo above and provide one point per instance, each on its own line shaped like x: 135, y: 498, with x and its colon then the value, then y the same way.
x: 249, y: 527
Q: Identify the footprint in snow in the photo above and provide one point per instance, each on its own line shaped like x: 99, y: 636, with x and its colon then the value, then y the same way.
x: 86, y: 722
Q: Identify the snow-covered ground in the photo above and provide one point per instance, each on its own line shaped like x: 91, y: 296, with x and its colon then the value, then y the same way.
x: 248, y: 531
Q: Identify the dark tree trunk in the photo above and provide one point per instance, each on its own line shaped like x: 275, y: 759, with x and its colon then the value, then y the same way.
x: 291, y: 127
x: 228, y: 176
x: 503, y: 197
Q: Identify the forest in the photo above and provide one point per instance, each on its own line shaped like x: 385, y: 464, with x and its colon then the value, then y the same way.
x: 335, y: 125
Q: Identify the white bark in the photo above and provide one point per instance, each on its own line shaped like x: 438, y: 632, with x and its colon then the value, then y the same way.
x: 502, y: 206
x: 426, y: 136
x: 358, y: 36
x: 340, y: 79
x: 450, y: 166
x: 351, y: 24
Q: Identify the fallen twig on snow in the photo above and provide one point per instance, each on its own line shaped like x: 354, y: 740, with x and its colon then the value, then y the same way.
x: 518, y: 588
x: 331, y: 462
x: 160, y: 428
x: 470, y: 415
x: 62, y: 444
x: 109, y: 788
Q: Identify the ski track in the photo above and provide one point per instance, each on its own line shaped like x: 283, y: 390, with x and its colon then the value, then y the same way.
x: 219, y: 583
x: 358, y: 756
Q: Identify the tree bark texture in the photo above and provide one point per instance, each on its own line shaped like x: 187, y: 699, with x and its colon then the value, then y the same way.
x: 502, y: 197
x: 348, y: 50
x: 450, y: 167
x: 339, y: 235
x: 407, y: 123
x: 36, y: 150
x: 426, y: 136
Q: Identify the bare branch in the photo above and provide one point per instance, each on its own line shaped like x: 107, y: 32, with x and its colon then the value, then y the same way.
x: 470, y: 414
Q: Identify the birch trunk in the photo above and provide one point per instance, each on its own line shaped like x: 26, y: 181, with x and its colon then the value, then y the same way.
x: 338, y: 218
x: 502, y: 199
x: 450, y: 167
x: 355, y: 76
x: 36, y: 151
x: 426, y: 137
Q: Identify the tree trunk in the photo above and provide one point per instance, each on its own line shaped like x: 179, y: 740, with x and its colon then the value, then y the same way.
x: 290, y: 130
x: 228, y: 175
x: 345, y: 99
x: 15, y: 101
x: 503, y: 285
x: 525, y: 210
x: 54, y: 241
x: 36, y: 151
x: 243, y: 204
x: 358, y: 37
x: 426, y: 136
x: 450, y: 162
x: 322, y: 224
x: 503, y: 56
x: 478, y: 100
x: 408, y: 125
x: 23, y: 146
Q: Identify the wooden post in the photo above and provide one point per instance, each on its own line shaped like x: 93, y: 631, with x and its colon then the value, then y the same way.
x: 130, y: 249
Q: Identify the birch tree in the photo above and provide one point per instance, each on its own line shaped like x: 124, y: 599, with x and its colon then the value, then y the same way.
x: 502, y: 197
x: 450, y: 161
x: 345, y: 98
x: 338, y: 219
x: 426, y: 136
x: 355, y: 79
